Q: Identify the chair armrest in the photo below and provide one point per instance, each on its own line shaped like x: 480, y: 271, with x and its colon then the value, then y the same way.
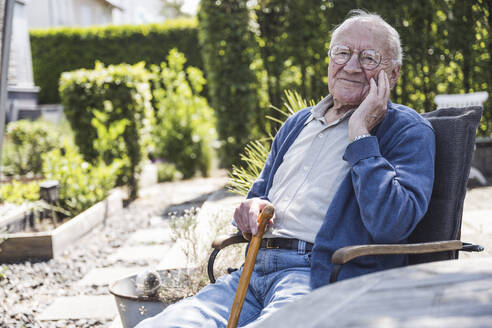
x: 346, y: 254
x: 219, y: 243
x: 226, y: 240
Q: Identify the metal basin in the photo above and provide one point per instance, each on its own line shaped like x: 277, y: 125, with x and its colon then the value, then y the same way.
x: 131, y: 307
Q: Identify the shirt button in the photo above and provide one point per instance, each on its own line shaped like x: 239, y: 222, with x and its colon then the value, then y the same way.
x: 320, y: 135
x: 305, y: 168
x: 286, y: 198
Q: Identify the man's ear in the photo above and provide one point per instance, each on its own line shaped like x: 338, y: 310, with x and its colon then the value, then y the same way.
x: 393, y: 78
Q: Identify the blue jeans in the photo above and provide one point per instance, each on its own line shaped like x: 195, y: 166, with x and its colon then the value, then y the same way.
x: 279, y: 277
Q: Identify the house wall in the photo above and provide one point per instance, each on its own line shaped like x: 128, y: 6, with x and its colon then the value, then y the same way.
x: 92, y: 12
x: 54, y: 13
x: 138, y: 12
x: 49, y: 13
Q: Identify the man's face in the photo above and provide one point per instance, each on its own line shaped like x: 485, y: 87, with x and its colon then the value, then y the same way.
x: 349, y: 82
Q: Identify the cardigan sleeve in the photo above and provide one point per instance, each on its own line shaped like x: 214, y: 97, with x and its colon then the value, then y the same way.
x: 394, y: 190
x: 258, y: 189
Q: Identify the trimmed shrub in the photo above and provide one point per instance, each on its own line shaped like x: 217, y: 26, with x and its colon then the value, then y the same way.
x: 228, y: 54
x: 110, y: 113
x: 184, y: 127
x: 60, y: 50
x: 25, y: 142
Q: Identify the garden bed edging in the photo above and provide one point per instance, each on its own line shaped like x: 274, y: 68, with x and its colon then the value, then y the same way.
x: 48, y: 244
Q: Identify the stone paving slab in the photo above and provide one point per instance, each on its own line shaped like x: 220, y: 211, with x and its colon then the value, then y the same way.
x: 151, y: 236
x: 107, y: 276
x: 138, y: 253
x: 478, y: 199
x: 182, y: 191
x: 80, y: 307
x: 479, y: 220
x: 148, y: 176
x: 155, y: 221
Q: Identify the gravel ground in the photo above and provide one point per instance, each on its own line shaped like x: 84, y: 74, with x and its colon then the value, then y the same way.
x: 28, y: 288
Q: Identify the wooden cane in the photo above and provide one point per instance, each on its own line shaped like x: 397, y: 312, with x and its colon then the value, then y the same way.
x: 249, y: 264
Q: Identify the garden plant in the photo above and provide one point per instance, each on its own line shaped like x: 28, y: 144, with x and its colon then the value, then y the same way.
x: 184, y: 125
x: 40, y: 150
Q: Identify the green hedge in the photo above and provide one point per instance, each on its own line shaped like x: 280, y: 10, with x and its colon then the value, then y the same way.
x: 65, y: 49
x: 110, y: 112
x: 228, y: 49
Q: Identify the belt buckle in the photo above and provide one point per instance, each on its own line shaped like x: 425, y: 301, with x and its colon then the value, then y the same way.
x: 270, y: 244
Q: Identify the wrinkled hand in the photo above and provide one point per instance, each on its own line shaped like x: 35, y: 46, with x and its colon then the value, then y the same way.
x: 372, y: 109
x: 246, y: 214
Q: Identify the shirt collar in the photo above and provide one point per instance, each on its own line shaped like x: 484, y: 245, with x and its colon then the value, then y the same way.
x: 318, y: 112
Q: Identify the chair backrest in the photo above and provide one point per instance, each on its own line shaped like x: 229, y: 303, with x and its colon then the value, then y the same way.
x: 455, y: 130
x: 461, y: 100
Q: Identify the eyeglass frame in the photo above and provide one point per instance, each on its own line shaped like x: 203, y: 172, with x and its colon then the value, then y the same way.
x: 358, y: 57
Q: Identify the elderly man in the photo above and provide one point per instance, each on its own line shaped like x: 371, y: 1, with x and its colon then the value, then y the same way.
x: 354, y: 169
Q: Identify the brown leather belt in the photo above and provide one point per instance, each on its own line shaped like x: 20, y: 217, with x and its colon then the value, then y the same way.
x: 284, y: 243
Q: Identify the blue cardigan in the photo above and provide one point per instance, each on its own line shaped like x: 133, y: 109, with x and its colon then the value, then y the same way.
x: 380, y: 200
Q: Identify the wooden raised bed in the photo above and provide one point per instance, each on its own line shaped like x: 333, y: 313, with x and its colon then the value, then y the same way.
x: 48, y: 244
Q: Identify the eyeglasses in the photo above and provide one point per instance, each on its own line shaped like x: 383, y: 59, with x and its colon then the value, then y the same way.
x: 369, y: 59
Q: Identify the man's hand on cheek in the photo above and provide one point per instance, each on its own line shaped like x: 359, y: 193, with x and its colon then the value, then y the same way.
x: 372, y: 109
x: 246, y: 214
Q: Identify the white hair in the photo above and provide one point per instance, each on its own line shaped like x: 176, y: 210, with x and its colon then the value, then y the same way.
x: 360, y: 15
